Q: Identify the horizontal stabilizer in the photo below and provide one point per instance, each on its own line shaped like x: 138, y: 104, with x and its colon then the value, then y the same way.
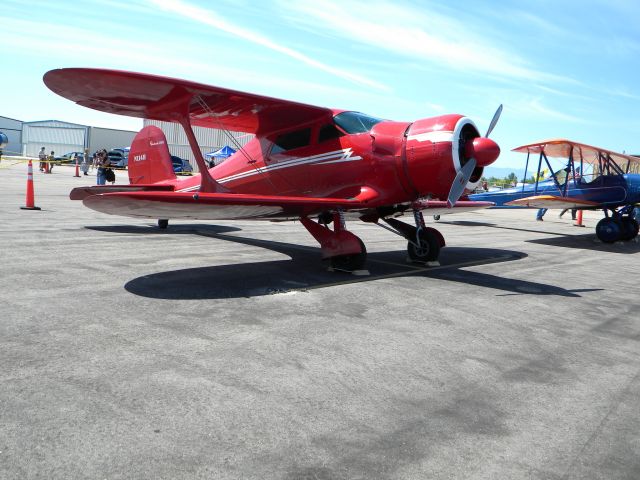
x: 80, y: 193
x: 551, y: 201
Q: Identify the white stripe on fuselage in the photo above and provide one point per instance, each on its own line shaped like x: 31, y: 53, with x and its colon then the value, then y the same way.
x: 336, y: 156
x: 438, y: 136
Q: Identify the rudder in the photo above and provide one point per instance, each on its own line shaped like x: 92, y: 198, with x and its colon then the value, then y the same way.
x: 149, y: 158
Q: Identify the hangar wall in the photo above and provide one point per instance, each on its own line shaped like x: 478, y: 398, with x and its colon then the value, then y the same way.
x: 53, y: 135
x: 12, y: 128
x: 109, y: 138
x: 209, y: 139
x: 65, y: 137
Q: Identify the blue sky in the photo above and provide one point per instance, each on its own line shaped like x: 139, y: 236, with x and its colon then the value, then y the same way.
x: 561, y: 68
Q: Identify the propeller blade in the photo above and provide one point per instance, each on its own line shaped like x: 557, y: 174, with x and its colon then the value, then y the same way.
x: 494, y: 120
x: 461, y: 180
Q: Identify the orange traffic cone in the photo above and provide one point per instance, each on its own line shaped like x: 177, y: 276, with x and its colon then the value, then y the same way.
x: 579, y: 220
x: 30, y: 204
x: 46, y: 167
x: 77, y: 169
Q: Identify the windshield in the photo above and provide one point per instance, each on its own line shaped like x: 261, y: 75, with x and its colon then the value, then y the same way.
x: 355, y: 122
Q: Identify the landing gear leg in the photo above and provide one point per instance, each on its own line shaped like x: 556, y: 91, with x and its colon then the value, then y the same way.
x: 344, y: 250
x: 424, y: 243
x: 425, y: 247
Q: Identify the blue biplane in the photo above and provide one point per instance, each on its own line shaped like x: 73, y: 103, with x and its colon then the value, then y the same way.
x: 612, y: 186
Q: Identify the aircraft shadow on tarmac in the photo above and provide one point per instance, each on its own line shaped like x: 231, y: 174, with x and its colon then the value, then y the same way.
x: 150, y: 229
x: 303, y: 272
x: 589, y: 241
x: 586, y: 241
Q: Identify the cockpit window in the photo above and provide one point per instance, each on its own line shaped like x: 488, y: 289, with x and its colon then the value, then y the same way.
x: 291, y: 140
x: 355, y: 122
x: 329, y: 132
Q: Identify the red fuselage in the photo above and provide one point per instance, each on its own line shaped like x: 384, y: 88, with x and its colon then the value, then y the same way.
x: 399, y: 161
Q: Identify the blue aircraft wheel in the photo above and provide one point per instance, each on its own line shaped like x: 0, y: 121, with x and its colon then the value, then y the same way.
x: 429, y: 248
x: 608, y: 230
x: 630, y: 228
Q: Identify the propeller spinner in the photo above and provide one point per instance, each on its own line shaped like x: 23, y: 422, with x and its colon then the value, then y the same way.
x: 481, y: 151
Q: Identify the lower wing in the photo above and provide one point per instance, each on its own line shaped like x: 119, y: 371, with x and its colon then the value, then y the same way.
x: 214, y: 206
x: 551, y: 201
x: 235, y: 206
x: 440, y: 207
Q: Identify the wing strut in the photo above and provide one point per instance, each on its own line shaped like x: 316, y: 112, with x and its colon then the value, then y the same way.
x: 224, y: 129
x: 207, y: 182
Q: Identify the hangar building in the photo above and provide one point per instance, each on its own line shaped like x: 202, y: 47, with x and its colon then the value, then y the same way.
x: 64, y: 137
x: 209, y: 139
x: 12, y: 128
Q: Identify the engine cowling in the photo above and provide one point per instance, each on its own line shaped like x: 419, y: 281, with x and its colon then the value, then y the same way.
x: 437, y: 148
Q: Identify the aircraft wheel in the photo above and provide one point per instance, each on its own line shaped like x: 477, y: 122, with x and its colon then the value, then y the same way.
x: 162, y: 223
x: 429, y: 248
x: 436, y: 217
x: 630, y: 228
x: 349, y: 263
x: 608, y: 230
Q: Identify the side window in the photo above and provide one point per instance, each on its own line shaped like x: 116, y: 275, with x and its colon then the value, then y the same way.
x: 291, y: 140
x: 329, y: 132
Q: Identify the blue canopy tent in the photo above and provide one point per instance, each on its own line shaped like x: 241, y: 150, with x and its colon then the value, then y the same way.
x: 218, y: 156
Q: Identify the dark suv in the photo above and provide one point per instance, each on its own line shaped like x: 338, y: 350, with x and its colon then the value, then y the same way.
x: 180, y: 165
x: 119, y: 157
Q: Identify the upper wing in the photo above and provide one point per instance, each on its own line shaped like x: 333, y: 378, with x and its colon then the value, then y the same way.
x: 551, y: 201
x: 561, y: 148
x: 169, y: 99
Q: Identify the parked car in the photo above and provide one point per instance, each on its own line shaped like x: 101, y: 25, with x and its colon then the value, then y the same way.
x: 70, y: 157
x: 180, y: 165
x: 119, y: 157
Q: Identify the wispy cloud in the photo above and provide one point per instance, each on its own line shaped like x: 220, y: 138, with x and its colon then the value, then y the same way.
x: 534, y: 107
x: 209, y: 17
x: 410, y: 32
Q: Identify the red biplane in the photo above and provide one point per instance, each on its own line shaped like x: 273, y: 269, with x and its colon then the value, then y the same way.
x: 307, y: 163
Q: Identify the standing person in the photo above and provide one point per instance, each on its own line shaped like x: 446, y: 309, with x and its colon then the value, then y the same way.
x: 84, y: 166
x: 540, y: 214
x: 42, y: 156
x: 51, y: 158
x: 102, y: 163
x: 573, y: 213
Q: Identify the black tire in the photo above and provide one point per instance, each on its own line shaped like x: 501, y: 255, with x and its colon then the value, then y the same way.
x: 630, y: 228
x: 163, y: 223
x: 609, y: 231
x: 351, y: 262
x: 429, y: 249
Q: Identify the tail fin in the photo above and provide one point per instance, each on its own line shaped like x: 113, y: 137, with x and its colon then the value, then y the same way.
x: 149, y: 158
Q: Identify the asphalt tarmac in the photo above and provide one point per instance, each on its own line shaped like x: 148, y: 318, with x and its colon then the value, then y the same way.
x: 228, y: 351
